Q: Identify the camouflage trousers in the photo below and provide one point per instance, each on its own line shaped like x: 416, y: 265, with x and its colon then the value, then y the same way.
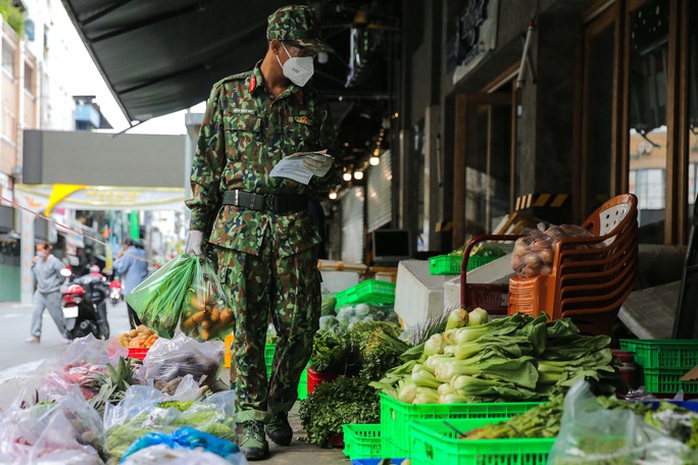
x: 285, y: 291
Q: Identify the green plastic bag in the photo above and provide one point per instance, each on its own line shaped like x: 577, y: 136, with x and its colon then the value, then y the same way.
x: 206, y: 314
x: 159, y: 299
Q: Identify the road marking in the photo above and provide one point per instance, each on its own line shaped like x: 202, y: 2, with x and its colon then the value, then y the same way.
x: 10, y: 315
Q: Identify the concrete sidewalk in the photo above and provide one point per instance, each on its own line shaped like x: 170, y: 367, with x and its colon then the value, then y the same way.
x: 19, y: 360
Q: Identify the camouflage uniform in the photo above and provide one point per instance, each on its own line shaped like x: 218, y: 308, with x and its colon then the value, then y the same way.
x: 268, y: 260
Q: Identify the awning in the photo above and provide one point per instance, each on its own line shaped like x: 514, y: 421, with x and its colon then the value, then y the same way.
x: 160, y: 56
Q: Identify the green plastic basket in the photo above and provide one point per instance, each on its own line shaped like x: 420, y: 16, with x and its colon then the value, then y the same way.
x: 370, y: 291
x: 434, y: 442
x: 667, y: 381
x: 663, y: 353
x: 396, y: 418
x: 302, y: 383
x: 450, y: 264
x: 362, y: 441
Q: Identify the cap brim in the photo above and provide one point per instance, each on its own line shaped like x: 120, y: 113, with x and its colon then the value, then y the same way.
x: 315, y: 45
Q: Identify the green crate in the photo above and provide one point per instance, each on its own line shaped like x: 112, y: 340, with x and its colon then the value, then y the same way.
x: 450, y: 264
x: 445, y: 264
x: 302, y: 383
x: 434, y: 442
x: 663, y: 353
x: 667, y: 381
x: 370, y: 291
x: 362, y: 441
x: 396, y: 418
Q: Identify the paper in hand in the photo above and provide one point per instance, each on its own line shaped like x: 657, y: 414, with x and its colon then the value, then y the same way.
x: 293, y: 166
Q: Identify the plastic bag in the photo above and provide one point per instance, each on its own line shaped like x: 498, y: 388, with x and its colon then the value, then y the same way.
x: 67, y: 432
x: 171, y: 358
x: 145, y: 409
x: 187, y: 438
x: 206, y: 314
x: 159, y: 299
x: 60, y: 376
x: 534, y: 253
x: 164, y: 455
x: 592, y: 435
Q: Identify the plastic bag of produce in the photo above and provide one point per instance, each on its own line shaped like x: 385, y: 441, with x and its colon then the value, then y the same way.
x: 206, y: 314
x: 159, y: 299
x: 164, y: 455
x: 72, y: 370
x: 590, y: 434
x: 534, y: 253
x: 180, y: 356
x: 68, y: 432
x: 145, y: 410
x: 189, y: 438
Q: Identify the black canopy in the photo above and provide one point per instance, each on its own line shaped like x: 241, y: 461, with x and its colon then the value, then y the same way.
x: 161, y: 56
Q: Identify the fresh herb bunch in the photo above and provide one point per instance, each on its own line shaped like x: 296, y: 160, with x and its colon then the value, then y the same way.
x: 382, y: 348
x: 336, y: 353
x: 330, y: 405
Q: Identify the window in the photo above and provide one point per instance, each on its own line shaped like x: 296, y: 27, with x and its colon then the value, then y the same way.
x: 8, y: 58
x: 647, y: 114
x: 29, y: 78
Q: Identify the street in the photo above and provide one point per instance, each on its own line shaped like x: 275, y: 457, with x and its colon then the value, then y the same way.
x: 19, y: 359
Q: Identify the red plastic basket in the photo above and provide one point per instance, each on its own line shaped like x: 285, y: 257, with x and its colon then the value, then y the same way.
x: 315, y: 379
x: 138, y: 353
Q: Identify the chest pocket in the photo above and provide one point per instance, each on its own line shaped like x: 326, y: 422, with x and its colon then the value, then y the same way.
x: 303, y: 131
x: 242, y: 134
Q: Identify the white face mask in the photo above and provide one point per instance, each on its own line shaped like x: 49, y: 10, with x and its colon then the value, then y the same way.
x: 298, y: 70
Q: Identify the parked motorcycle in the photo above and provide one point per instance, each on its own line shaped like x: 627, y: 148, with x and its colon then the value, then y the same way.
x: 84, y: 306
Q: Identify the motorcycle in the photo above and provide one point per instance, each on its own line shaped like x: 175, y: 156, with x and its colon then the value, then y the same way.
x: 84, y: 306
x: 115, y: 295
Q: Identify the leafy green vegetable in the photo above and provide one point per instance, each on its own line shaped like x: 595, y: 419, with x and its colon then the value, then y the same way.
x: 330, y: 405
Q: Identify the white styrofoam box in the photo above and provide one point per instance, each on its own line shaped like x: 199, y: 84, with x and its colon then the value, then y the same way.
x: 337, y: 281
x: 418, y: 295
x: 495, y: 272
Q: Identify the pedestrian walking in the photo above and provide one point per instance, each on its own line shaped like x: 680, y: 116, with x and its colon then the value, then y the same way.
x: 132, y: 265
x: 47, y: 271
x: 262, y: 235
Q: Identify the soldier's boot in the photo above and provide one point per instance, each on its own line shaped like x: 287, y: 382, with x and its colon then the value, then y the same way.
x: 279, y: 430
x: 253, y: 444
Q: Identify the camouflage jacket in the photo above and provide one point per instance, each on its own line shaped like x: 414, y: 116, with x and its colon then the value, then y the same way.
x: 244, y: 133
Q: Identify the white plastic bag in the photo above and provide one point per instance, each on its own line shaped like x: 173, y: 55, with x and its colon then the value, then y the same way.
x: 180, y: 356
x: 592, y: 435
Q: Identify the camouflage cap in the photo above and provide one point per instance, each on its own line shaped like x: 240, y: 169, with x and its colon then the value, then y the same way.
x: 297, y: 23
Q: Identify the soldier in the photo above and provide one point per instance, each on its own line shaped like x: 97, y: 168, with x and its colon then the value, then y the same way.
x: 257, y: 226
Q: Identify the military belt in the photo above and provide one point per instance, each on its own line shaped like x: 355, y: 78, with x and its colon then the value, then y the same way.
x: 275, y: 203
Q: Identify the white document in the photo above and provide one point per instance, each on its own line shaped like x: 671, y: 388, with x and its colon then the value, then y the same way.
x: 291, y: 167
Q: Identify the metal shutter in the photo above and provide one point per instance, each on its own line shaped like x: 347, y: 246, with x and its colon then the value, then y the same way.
x: 378, y: 192
x: 353, y: 225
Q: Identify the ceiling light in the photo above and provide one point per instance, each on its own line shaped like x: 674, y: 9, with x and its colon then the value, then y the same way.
x: 322, y: 57
x: 346, y: 176
x: 358, y: 175
x: 333, y: 195
x: 374, y: 160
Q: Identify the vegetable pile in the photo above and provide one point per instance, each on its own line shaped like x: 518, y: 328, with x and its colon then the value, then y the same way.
x: 348, y: 316
x: 515, y: 358
x: 141, y: 337
x: 330, y: 405
x: 370, y: 348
